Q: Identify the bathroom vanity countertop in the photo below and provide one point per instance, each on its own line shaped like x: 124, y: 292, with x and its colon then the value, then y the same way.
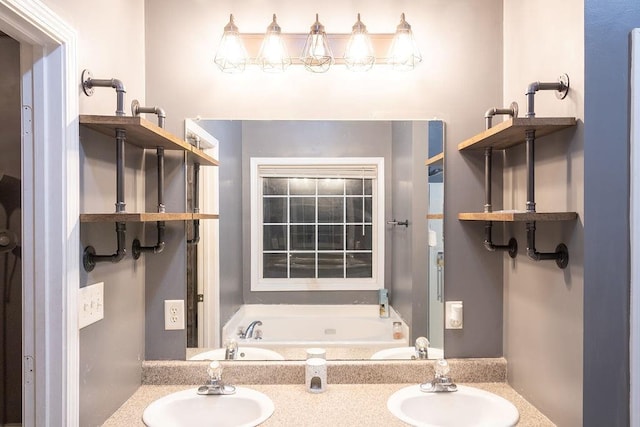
x: 345, y: 405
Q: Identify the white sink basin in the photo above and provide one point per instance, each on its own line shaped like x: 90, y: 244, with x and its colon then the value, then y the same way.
x: 463, y: 408
x: 405, y: 353
x: 244, y: 353
x: 245, y: 408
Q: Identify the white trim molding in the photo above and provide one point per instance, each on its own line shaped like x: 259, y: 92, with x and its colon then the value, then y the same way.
x: 330, y: 167
x: 51, y: 232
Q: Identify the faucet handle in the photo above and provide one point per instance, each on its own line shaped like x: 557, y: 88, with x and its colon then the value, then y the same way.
x: 215, y: 371
x: 441, y: 368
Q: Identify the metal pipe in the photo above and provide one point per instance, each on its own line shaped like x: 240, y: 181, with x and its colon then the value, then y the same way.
x: 530, y: 136
x: 136, y: 109
x: 90, y: 258
x: 196, y: 205
x: 488, y: 154
x: 511, y: 246
x: 160, y: 155
x: 561, y: 86
x: 488, y: 115
x: 120, y: 140
x: 137, y: 249
x: 561, y: 255
x: 89, y: 83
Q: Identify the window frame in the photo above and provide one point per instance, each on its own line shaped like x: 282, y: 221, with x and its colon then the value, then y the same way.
x: 261, y: 284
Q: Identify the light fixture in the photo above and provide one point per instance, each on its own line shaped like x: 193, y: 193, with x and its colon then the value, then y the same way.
x: 361, y: 50
x: 359, y: 54
x: 404, y: 53
x: 316, y: 54
x: 273, y: 54
x: 231, y: 56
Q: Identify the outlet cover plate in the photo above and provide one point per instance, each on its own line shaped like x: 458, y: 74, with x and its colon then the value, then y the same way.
x: 173, y: 314
x: 90, y: 304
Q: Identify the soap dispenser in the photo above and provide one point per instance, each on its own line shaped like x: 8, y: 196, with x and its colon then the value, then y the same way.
x: 383, y: 301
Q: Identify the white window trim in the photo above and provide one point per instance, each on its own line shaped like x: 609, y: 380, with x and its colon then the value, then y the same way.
x: 259, y: 284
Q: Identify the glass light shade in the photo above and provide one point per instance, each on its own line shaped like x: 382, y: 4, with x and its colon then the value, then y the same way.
x: 359, y: 54
x: 404, y: 53
x: 231, y: 56
x: 316, y: 54
x: 273, y: 55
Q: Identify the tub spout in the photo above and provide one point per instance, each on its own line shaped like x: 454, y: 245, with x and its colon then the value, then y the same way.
x: 248, y: 333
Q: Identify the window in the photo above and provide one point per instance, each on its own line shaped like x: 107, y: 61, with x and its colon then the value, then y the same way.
x: 317, y: 224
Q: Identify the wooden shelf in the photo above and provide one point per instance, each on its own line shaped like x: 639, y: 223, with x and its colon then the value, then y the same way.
x: 144, y: 134
x: 438, y: 158
x: 512, y: 132
x: 517, y: 216
x: 143, y: 217
x: 435, y: 216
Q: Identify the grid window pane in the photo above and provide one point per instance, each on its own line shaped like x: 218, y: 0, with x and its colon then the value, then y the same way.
x: 353, y: 186
x: 303, y: 237
x: 331, y: 209
x: 355, y: 207
x: 303, y: 265
x: 359, y: 238
x: 274, y: 238
x: 331, y: 237
x: 330, y: 186
x: 274, y: 210
x: 359, y: 265
x: 330, y: 265
x: 302, y: 186
x: 275, y: 186
x: 303, y: 209
x: 274, y: 266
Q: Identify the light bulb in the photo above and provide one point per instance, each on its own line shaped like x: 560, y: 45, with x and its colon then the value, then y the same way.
x: 273, y: 54
x: 316, y: 54
x: 359, y: 53
x: 231, y: 56
x: 404, y: 53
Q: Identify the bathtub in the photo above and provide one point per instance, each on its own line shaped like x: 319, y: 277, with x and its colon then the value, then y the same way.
x: 285, y: 325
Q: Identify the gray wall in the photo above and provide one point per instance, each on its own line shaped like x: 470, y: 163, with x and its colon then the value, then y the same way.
x: 543, y: 311
x: 10, y: 219
x: 409, y: 191
x: 229, y: 134
x: 606, y: 206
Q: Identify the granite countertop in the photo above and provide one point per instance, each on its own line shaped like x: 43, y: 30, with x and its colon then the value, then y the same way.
x: 345, y: 405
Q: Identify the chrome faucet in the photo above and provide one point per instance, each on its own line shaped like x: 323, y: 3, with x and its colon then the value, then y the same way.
x: 215, y: 385
x: 442, y: 381
x: 422, y: 348
x: 231, y: 349
x: 248, y: 333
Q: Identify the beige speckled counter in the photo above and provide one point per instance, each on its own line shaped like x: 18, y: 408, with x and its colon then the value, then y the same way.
x: 356, y: 395
x: 345, y: 405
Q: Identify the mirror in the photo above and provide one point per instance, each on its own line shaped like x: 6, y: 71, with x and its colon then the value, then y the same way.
x: 335, y: 201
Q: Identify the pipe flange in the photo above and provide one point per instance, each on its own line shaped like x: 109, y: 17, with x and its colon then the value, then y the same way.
x: 135, y: 108
x: 562, y: 253
x: 135, y: 249
x: 88, y: 261
x: 513, y: 247
x: 87, y: 87
x: 514, y: 107
x: 564, y: 82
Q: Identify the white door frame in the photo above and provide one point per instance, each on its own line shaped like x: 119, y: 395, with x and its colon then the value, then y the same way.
x: 634, y: 316
x: 208, y: 249
x: 50, y: 210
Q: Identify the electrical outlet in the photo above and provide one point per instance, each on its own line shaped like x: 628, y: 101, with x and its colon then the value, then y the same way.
x: 173, y: 314
x: 90, y: 304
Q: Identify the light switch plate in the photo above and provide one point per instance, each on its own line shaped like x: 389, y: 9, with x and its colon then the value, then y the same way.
x: 90, y: 304
x: 453, y: 316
